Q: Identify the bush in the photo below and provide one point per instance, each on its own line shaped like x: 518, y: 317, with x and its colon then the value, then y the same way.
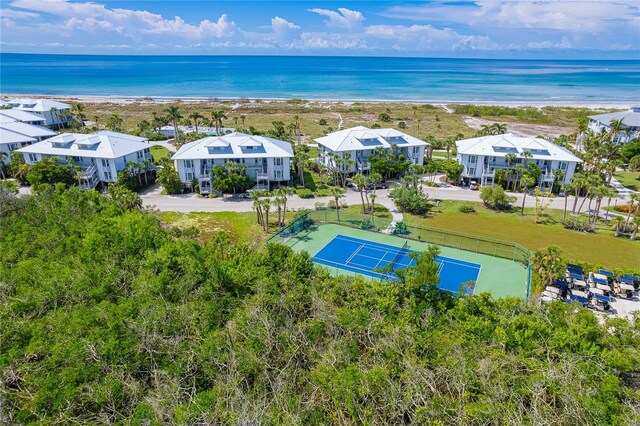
x: 410, y: 200
x: 401, y: 229
x: 331, y: 204
x: 453, y: 170
x: 384, y: 117
x: 322, y: 122
x: 9, y: 185
x: 577, y: 224
x: 634, y: 163
x: 466, y: 208
x: 495, y: 198
x: 366, y: 224
x: 320, y: 205
x: 304, y: 193
x: 402, y: 125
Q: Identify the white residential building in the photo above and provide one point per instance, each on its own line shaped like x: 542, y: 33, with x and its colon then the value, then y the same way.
x: 16, y: 134
x: 50, y: 110
x: 100, y: 155
x: 9, y: 115
x: 630, y: 122
x: 266, y: 160
x: 482, y: 156
x: 357, y: 143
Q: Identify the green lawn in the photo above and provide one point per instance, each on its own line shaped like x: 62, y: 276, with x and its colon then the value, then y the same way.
x: 630, y: 180
x: 380, y: 211
x: 599, y: 248
x: 159, y: 152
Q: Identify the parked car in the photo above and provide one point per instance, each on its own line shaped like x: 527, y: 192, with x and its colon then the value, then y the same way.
x: 473, y: 185
x: 377, y: 185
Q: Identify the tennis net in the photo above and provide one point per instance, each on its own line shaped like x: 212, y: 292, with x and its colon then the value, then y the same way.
x: 399, y: 255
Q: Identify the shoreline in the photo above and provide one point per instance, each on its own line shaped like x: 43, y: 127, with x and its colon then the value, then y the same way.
x: 124, y: 100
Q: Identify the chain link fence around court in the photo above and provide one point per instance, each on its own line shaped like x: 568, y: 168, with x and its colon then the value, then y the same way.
x: 440, y: 237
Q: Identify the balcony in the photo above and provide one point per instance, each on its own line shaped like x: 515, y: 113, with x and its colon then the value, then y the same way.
x: 88, y: 177
x: 489, y: 172
x: 548, y: 176
x: 263, y: 175
x: 362, y: 164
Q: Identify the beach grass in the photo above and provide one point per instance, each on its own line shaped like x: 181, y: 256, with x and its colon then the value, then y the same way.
x: 420, y: 120
x: 630, y: 180
x: 601, y: 247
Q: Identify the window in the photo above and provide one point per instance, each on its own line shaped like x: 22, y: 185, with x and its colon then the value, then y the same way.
x: 278, y: 174
x: 277, y: 161
x: 563, y: 165
x: 471, y: 171
x: 188, y: 164
x: 473, y: 159
x: 107, y: 175
x: 416, y: 149
x: 189, y: 176
x: 33, y: 158
x: 140, y: 155
x: 105, y: 162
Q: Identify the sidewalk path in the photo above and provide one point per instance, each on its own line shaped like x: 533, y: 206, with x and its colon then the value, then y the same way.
x: 622, y: 190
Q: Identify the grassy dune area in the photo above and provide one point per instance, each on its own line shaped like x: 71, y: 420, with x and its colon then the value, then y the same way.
x: 421, y: 120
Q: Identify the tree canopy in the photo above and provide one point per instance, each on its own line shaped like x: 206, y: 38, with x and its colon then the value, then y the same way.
x: 108, y: 315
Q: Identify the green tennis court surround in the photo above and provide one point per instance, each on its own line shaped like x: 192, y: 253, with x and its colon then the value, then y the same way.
x: 504, y: 265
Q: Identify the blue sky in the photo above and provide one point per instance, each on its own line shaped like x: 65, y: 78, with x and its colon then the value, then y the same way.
x: 494, y: 28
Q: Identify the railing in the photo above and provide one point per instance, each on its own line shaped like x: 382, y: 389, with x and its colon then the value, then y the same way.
x: 262, y: 176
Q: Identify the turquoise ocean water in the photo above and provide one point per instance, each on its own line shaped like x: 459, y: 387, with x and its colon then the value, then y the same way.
x: 345, y: 78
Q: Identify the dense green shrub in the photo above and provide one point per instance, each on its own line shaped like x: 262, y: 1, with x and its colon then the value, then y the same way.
x: 110, y: 316
x: 467, y: 208
x: 411, y: 200
x: 304, y: 193
x: 496, y: 198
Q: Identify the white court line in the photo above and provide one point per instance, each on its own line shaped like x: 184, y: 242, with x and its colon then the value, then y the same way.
x: 366, y: 270
x: 452, y: 262
x: 354, y: 254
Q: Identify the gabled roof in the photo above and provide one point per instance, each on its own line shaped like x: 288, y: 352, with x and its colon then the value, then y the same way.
x: 360, y: 138
x: 28, y: 129
x: 499, y: 146
x: 37, y: 105
x: 232, y: 145
x: 630, y: 118
x: 7, y: 115
x: 103, y: 144
x: 8, y: 136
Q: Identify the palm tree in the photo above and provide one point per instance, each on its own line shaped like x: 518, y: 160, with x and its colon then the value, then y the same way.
x: 296, y: 124
x: 510, y: 159
x: 3, y: 156
x: 235, y: 121
x: 78, y: 112
x: 615, y: 128
x: 619, y: 224
x: 174, y: 115
x: 146, y: 165
x: 361, y: 183
x: 525, y: 183
x: 242, y: 118
x: 337, y: 193
x: 579, y: 182
x: 196, y: 117
x: 498, y: 129
x: 301, y: 159
x: 418, y: 123
x: 266, y: 206
x: 158, y: 121
x: 115, y: 122
x: 548, y: 264
x: 283, y: 192
x: 636, y: 225
x: 449, y: 143
x: 373, y: 208
x: 634, y: 197
x: 610, y: 194
x: 257, y: 205
x: 566, y: 188
x: 217, y: 117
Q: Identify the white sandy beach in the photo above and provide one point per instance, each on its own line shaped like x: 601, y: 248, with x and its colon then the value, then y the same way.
x: 124, y: 100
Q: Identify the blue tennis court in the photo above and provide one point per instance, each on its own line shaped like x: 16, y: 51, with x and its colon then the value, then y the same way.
x: 366, y: 257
